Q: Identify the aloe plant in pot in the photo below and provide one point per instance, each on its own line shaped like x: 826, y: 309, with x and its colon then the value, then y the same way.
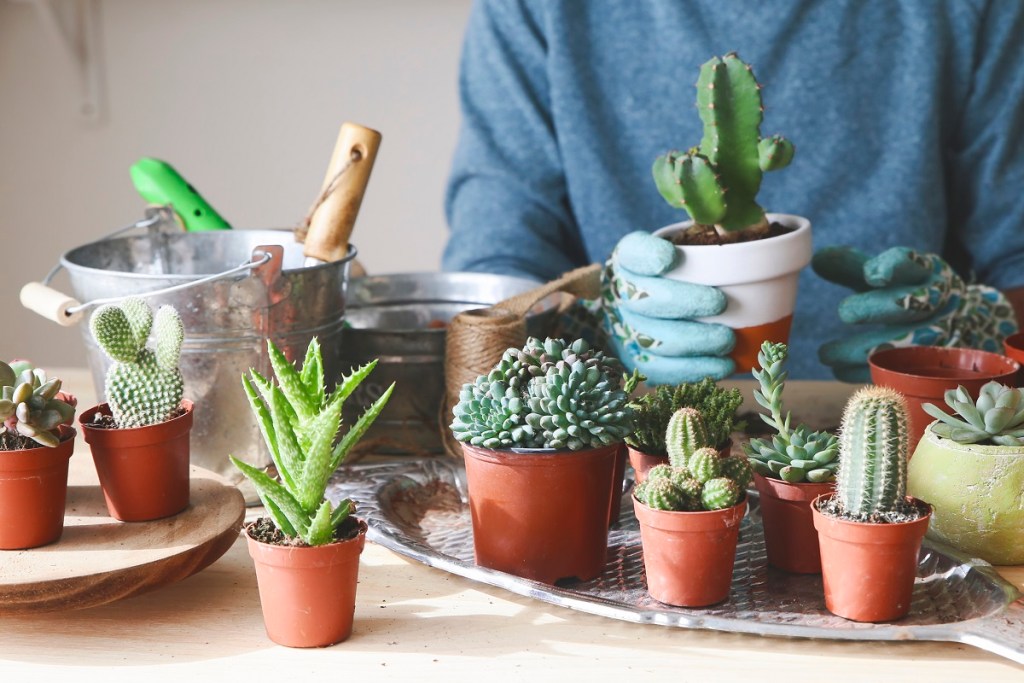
x: 731, y: 243
x: 140, y: 437
x: 307, y: 550
x: 541, y: 433
x: 792, y: 468
x: 36, y: 443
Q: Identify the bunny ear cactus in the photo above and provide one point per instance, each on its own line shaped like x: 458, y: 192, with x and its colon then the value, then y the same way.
x: 300, y: 420
x: 996, y: 418
x: 144, y: 385
x: 717, y: 182
x: 31, y: 405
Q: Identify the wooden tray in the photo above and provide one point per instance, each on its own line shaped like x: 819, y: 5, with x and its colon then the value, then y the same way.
x: 99, y: 559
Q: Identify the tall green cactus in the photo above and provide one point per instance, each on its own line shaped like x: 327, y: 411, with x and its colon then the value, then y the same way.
x: 685, y: 433
x: 717, y: 183
x: 873, y: 444
x: 144, y: 386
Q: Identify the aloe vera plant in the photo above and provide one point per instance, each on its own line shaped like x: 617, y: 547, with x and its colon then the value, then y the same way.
x: 300, y: 422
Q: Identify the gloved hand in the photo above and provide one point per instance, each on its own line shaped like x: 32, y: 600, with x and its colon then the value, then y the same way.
x: 911, y: 299
x: 649, y: 318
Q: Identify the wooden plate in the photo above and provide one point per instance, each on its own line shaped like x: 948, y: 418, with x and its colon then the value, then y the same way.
x: 99, y: 559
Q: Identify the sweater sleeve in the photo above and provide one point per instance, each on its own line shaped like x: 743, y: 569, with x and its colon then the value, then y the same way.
x: 506, y: 200
x: 986, y: 163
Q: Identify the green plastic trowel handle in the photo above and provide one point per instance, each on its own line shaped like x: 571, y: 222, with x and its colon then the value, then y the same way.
x: 159, y: 183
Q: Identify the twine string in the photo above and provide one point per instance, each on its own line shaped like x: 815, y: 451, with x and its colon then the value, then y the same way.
x: 303, y: 227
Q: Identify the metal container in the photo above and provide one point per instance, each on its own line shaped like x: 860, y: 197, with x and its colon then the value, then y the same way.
x: 401, y: 320
x: 227, y: 320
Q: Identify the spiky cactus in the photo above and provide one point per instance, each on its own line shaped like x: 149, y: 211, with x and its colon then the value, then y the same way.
x: 996, y: 418
x: 793, y: 454
x: 143, y: 385
x: 719, y: 493
x: 705, y: 464
x: 873, y: 442
x: 548, y: 395
x: 685, y: 434
x: 31, y: 405
x: 717, y: 183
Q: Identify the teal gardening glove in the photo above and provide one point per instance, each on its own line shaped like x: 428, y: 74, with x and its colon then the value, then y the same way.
x: 650, y: 319
x: 910, y: 299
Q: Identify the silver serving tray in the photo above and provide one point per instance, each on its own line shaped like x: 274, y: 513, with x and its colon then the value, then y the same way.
x: 419, y: 508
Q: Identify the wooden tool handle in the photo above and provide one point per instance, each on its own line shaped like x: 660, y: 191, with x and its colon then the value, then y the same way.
x: 331, y: 223
x: 50, y: 303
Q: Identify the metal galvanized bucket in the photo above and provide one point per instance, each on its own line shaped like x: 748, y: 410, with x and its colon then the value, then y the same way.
x: 401, y: 320
x: 227, y: 317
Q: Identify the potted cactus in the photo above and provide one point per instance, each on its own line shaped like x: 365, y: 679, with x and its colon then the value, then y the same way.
x: 731, y: 243
x: 306, y: 551
x: 140, y: 437
x: 652, y: 411
x: 970, y: 467
x: 869, y: 530
x: 792, y: 468
x: 689, y: 513
x: 541, y: 433
x: 36, y: 443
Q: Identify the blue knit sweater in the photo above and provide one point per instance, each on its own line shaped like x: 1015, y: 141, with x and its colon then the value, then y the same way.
x: 907, y: 116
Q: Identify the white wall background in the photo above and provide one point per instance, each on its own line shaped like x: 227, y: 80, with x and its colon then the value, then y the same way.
x: 244, y: 98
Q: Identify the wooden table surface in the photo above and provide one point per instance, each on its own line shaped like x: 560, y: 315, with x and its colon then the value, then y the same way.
x: 415, y: 622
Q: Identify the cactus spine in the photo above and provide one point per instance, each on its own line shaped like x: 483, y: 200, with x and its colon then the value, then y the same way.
x: 873, y: 445
x: 685, y: 433
x: 717, y: 183
x: 144, y: 386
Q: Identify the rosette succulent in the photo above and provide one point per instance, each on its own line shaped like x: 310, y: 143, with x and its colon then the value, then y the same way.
x: 31, y: 405
x: 548, y: 394
x: 996, y: 418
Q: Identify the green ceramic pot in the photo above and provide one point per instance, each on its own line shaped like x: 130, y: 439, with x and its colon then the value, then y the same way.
x: 977, y: 496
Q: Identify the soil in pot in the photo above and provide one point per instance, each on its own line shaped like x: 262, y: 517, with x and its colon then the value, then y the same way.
x: 307, y: 594
x: 541, y: 515
x: 143, y: 471
x: 868, y: 569
x: 33, y: 493
x: 790, y: 538
x: 689, y: 556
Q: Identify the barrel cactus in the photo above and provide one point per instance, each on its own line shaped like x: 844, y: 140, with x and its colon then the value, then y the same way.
x: 997, y: 418
x: 873, y: 442
x: 685, y: 434
x: 548, y: 394
x: 31, y: 405
x: 717, y: 183
x: 144, y: 385
x: 792, y: 454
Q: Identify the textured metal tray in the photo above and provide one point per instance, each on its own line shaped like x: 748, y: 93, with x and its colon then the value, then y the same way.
x: 418, y: 508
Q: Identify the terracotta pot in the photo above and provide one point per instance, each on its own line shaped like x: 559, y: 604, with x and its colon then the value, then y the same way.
x: 642, y: 462
x: 1013, y: 347
x: 975, y: 492
x: 618, y: 479
x: 758, y: 278
x: 924, y: 373
x: 689, y: 556
x: 143, y: 471
x: 541, y: 515
x: 789, y: 534
x: 868, y: 570
x: 33, y: 490
x: 308, y: 594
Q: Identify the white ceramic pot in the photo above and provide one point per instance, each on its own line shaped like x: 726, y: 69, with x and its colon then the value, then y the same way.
x: 758, y: 278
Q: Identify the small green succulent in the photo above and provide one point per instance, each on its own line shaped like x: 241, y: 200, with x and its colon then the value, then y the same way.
x: 31, y: 405
x: 997, y: 417
x: 653, y: 411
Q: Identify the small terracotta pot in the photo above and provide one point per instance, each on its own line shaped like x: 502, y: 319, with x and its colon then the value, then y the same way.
x: 868, y: 570
x: 541, y: 515
x: 308, y: 594
x: 33, y: 491
x: 1013, y: 347
x: 689, y: 556
x: 789, y: 534
x: 642, y: 462
x: 924, y: 373
x: 618, y: 479
x: 143, y: 471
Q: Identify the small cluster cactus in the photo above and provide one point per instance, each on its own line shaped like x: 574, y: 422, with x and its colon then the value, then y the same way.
x: 548, y: 394
x: 717, y: 183
x: 652, y: 412
x: 697, y: 477
x: 31, y: 405
x: 793, y: 454
x: 997, y: 418
x: 300, y: 421
x: 873, y: 442
x: 144, y: 385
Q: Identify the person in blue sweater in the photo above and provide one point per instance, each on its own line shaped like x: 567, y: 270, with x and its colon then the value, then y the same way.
x: 907, y: 116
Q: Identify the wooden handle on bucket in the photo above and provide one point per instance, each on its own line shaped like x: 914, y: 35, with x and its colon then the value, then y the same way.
x: 332, y: 221
x: 50, y: 304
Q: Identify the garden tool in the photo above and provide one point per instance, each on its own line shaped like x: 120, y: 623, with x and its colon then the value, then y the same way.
x: 160, y: 184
